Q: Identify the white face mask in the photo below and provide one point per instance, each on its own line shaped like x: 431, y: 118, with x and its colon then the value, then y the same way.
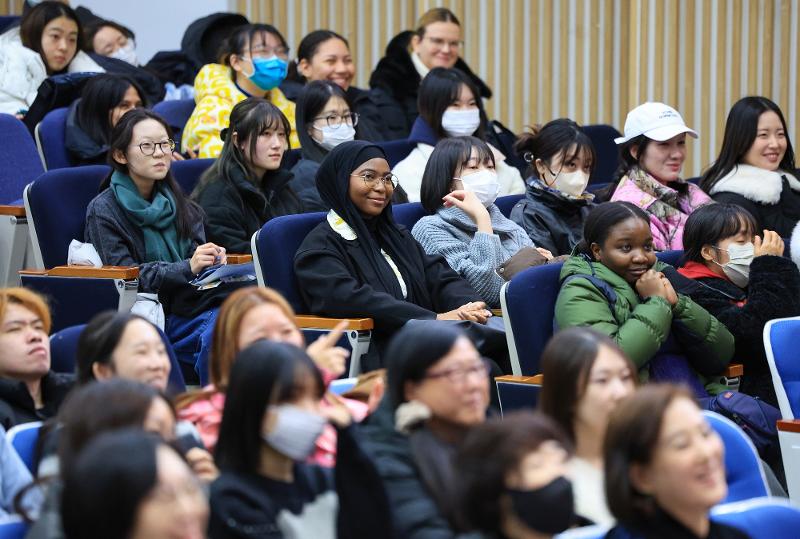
x: 484, y: 184
x: 570, y: 183
x: 126, y: 53
x: 295, y: 431
x: 461, y: 123
x: 333, y: 136
x: 737, y: 269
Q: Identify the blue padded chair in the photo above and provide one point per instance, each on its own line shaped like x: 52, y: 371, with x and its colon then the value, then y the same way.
x: 20, y: 160
x: 176, y: 113
x: 396, y: 151
x: 64, y: 348
x: 607, y: 151
x: 50, y: 136
x: 673, y: 258
x: 780, y: 343
x: 742, y: 465
x: 23, y: 438
x: 408, y: 214
x: 13, y: 528
x: 187, y: 173
x: 7, y: 20
x: 760, y: 518
x: 506, y: 204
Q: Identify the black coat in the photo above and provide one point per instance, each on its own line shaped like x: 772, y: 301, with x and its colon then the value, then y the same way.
x: 773, y: 292
x: 236, y: 209
x: 781, y: 217
x: 16, y: 403
x: 83, y: 150
x: 552, y: 221
x: 395, y: 85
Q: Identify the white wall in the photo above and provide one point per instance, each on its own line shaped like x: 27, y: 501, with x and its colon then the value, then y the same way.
x: 158, y: 24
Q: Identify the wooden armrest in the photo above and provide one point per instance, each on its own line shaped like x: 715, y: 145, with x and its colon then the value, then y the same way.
x: 497, y: 312
x: 734, y: 370
x: 104, y: 272
x: 239, y: 259
x: 535, y: 380
x: 789, y: 425
x: 317, y: 322
x: 15, y: 211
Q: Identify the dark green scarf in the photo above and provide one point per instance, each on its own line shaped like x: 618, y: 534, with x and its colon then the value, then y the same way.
x: 156, y: 219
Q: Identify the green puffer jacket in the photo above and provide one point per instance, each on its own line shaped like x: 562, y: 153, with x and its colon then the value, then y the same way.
x: 641, y: 327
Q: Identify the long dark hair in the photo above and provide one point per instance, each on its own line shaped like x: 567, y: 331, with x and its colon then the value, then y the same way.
x: 100, y: 95
x: 312, y: 100
x: 602, y: 218
x: 241, y: 40
x: 449, y: 155
x: 308, y: 48
x: 33, y: 22
x: 438, y: 90
x: 712, y: 223
x: 554, y: 139
x: 186, y: 212
x: 741, y: 128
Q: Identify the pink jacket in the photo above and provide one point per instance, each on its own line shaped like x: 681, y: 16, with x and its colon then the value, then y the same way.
x: 667, y: 231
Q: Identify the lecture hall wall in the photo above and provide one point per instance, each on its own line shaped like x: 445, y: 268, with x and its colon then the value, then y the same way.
x: 590, y: 60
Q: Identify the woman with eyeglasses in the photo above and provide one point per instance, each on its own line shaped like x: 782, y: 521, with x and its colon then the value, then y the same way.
x: 252, y: 62
x: 246, y: 187
x: 359, y: 263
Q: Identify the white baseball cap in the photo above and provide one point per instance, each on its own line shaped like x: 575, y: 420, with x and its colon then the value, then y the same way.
x: 656, y: 121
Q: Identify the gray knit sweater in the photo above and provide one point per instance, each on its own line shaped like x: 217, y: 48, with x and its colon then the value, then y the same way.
x: 474, y: 255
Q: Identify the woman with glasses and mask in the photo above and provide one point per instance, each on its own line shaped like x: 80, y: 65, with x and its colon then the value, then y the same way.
x: 252, y: 62
x: 437, y: 42
x: 360, y: 263
x: 246, y: 187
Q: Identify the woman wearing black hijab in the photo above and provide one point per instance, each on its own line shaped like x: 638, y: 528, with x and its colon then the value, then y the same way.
x: 360, y: 263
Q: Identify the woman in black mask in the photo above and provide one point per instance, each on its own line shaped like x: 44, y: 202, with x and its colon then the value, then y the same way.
x: 512, y: 478
x: 360, y: 263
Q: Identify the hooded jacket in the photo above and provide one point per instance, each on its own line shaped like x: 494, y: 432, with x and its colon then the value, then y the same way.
x: 552, y: 220
x: 216, y: 94
x: 641, y: 326
x: 395, y: 84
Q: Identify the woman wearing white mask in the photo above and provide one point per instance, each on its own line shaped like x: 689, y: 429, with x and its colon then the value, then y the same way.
x: 246, y: 187
x: 269, y: 425
x: 459, y: 187
x: 449, y: 106
x: 561, y: 158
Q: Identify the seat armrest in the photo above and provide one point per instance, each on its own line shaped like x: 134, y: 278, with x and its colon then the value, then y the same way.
x: 789, y: 425
x: 318, y: 322
x: 734, y: 370
x: 104, y: 272
x: 14, y: 211
x: 239, y: 258
x: 535, y: 380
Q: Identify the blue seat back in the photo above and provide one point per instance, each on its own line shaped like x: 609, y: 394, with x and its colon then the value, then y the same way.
x: 396, y: 151
x: 274, y: 247
x: 187, y: 173
x: 7, y: 20
x: 408, y: 214
x: 742, y: 465
x: 780, y: 342
x: 51, y: 136
x: 57, y: 203
x: 176, y: 112
x: 760, y: 518
x: 23, y: 438
x: 13, y: 529
x: 506, y: 204
x: 19, y: 161
x: 673, y: 258
x: 64, y: 352
x: 607, y: 151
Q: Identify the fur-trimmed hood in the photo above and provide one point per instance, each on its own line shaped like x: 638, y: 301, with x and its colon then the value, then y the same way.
x: 756, y: 184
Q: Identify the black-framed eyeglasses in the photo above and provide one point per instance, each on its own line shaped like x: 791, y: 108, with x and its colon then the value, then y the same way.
x: 149, y: 148
x: 457, y: 375
x: 371, y: 179
x: 337, y: 120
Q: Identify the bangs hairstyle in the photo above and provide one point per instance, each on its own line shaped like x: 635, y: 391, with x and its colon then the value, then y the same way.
x: 308, y: 48
x: 552, y: 140
x: 100, y: 95
x: 631, y: 438
x: 186, y: 211
x: 566, y: 363
x: 441, y: 88
x: 489, y: 453
x: 312, y: 100
x: 712, y: 223
x: 741, y: 129
x: 34, y: 21
x: 25, y: 298
x: 99, y: 339
x: 264, y: 374
x: 448, y: 159
x: 249, y: 119
x: 602, y: 218
x: 241, y: 41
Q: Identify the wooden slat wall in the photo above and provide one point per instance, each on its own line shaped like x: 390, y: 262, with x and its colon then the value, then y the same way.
x: 11, y: 7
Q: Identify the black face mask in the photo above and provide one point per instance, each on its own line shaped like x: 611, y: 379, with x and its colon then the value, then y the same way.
x: 548, y: 509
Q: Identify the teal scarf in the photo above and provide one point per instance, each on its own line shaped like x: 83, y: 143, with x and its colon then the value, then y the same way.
x: 156, y: 219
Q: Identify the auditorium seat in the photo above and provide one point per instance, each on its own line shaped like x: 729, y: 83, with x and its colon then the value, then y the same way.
x: 176, y: 112
x: 50, y: 136
x: 606, y: 150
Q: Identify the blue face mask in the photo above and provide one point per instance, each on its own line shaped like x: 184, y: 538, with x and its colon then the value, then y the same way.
x: 268, y: 73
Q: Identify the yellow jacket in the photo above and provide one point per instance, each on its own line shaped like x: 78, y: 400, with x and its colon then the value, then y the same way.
x: 215, y: 95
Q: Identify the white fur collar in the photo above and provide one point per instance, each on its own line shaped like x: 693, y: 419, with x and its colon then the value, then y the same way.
x: 756, y: 184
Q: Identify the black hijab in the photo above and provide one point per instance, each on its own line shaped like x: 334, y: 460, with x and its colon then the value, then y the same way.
x: 381, y: 232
